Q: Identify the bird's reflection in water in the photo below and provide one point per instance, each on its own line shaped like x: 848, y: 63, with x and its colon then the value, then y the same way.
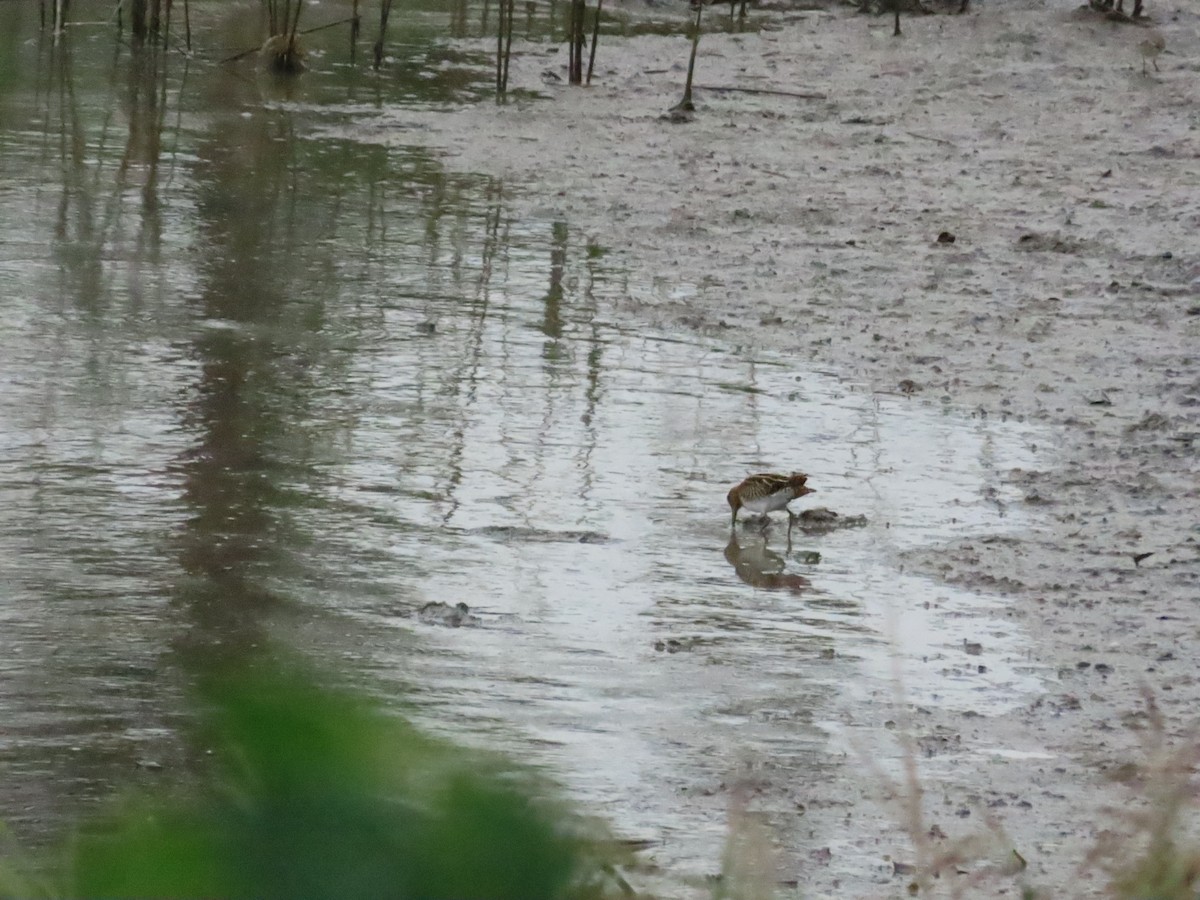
x: 761, y: 567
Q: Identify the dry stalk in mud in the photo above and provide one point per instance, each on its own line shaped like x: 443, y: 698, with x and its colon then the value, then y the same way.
x: 913, y: 7
x: 504, y: 32
x: 385, y: 10
x: 281, y: 54
x: 940, y: 861
x: 1155, y: 855
x: 681, y: 111
x: 279, y: 43
x: 1118, y: 13
x: 747, y: 862
x: 1152, y: 850
x: 800, y: 95
x: 575, y: 39
x: 595, y: 38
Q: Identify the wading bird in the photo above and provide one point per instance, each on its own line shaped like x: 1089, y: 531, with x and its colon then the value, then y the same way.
x: 767, y: 492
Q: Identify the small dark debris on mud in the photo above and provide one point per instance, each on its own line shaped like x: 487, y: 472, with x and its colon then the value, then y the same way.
x: 438, y: 613
x: 821, y: 519
x: 677, y: 645
x: 1049, y: 243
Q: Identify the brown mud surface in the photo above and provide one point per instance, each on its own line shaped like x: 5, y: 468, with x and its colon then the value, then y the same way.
x: 1069, y: 299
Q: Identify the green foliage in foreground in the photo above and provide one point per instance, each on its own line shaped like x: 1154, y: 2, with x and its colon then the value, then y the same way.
x: 317, y: 794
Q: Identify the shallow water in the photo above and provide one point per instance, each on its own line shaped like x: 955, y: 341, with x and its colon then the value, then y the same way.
x: 263, y: 385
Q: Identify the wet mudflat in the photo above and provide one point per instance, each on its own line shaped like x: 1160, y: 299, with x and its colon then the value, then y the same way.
x: 617, y: 630
x: 267, y: 377
x: 1066, y: 304
x: 321, y: 432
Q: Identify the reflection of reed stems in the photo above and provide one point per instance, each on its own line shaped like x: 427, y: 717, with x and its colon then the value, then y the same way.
x: 552, y: 315
x: 458, y: 19
x: 469, y: 377
x: 595, y: 38
x: 137, y: 21
x: 592, y: 391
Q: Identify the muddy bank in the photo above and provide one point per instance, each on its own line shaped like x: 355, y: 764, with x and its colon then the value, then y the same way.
x: 1068, y: 298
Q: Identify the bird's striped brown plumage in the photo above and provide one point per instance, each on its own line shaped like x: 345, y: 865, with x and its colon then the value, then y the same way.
x: 766, y: 492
